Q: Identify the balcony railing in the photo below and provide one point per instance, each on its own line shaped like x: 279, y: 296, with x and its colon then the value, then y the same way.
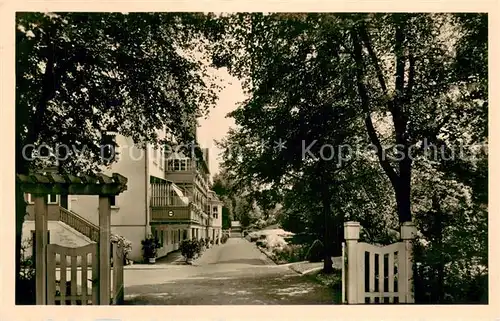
x: 174, y: 213
x: 79, y: 223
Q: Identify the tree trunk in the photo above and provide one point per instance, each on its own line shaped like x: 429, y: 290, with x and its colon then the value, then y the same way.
x: 327, y: 240
x: 439, y: 240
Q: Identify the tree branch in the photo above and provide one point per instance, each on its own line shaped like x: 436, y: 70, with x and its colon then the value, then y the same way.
x: 411, y: 79
x: 400, y: 65
x: 366, y: 40
x: 372, y: 133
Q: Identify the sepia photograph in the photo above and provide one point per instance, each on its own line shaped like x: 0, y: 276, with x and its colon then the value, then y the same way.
x: 251, y: 158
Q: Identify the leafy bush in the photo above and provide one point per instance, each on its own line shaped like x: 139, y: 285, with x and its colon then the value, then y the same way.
x: 150, y: 247
x: 27, y: 275
x: 253, y: 236
x: 125, y: 244
x: 261, y: 243
x: 188, y: 249
x: 290, y: 254
x: 273, y: 241
x: 316, y: 252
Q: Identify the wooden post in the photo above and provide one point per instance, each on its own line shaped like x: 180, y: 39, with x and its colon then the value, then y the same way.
x: 104, y: 250
x: 351, y: 233
x: 344, y: 299
x: 41, y: 228
x: 408, y: 233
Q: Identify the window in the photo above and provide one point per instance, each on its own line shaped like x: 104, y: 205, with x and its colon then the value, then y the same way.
x: 27, y: 198
x: 183, y: 164
x: 112, y: 200
x: 52, y: 199
x: 108, y: 145
x: 177, y: 165
x: 179, y: 236
x: 158, y: 234
x: 162, y: 158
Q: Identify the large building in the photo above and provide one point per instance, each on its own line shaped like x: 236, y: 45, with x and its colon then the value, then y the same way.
x: 167, y: 195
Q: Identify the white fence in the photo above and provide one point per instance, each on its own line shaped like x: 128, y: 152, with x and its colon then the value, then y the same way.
x: 377, y: 274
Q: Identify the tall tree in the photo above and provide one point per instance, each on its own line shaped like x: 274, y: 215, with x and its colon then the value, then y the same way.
x: 289, y: 125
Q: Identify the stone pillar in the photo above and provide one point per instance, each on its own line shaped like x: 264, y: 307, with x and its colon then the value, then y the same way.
x: 408, y: 233
x: 41, y: 228
x: 104, y: 250
x: 353, y: 280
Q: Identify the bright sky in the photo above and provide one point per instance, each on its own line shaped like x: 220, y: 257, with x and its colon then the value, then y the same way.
x: 216, y: 126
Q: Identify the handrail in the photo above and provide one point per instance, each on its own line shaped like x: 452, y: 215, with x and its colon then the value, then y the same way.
x: 79, y: 223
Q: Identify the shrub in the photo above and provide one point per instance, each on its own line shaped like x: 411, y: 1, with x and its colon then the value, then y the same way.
x: 253, y: 237
x: 188, y: 249
x: 224, y: 238
x: 125, y: 244
x: 150, y: 247
x: 198, y: 248
x: 275, y: 241
x: 316, y: 252
x: 261, y: 243
x: 27, y: 275
x: 290, y: 253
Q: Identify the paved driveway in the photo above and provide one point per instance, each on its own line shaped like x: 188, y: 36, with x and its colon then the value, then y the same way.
x: 232, y: 273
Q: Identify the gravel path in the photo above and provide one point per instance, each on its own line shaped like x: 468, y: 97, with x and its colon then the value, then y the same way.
x: 233, y: 273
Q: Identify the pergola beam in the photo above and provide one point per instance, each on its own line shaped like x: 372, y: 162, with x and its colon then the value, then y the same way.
x: 52, y: 183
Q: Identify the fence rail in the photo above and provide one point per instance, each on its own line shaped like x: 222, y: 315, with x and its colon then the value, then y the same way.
x: 118, y: 288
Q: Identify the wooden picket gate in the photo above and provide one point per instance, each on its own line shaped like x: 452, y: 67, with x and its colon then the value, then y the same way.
x: 377, y: 274
x: 82, y: 286
x: 77, y: 282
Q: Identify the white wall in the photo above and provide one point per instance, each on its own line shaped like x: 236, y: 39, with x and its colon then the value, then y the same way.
x: 134, y: 234
x: 128, y: 216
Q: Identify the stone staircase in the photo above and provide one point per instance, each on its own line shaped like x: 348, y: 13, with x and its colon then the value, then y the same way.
x: 79, y: 223
x: 69, y: 230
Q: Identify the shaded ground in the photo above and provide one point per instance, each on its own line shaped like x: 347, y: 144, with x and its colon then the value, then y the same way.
x: 233, y: 273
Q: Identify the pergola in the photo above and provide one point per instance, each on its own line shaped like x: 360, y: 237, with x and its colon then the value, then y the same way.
x: 39, y: 186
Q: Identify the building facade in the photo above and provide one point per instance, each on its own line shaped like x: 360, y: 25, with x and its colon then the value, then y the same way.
x: 167, y: 196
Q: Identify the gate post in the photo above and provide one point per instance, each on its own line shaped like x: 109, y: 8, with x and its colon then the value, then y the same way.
x: 41, y: 229
x: 351, y: 233
x: 104, y: 249
x: 408, y: 233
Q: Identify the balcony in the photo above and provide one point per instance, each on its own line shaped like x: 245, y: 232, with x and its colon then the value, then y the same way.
x: 167, y: 214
